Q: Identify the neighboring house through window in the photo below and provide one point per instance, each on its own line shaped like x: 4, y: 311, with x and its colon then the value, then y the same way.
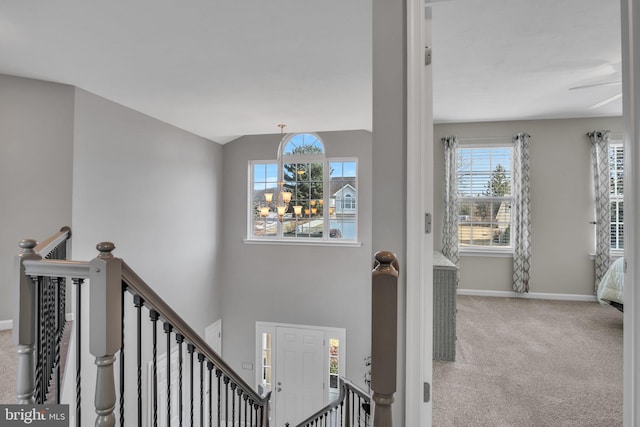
x: 289, y: 200
x: 616, y: 175
x: 484, y: 197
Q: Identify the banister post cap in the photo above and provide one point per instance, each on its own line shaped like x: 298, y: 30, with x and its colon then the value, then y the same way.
x: 105, y: 249
x: 385, y: 257
x: 27, y: 246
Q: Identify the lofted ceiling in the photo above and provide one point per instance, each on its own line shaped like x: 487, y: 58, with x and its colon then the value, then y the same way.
x: 225, y: 68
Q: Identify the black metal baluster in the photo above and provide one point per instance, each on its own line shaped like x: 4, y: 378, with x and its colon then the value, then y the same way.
x: 57, y: 323
x: 218, y: 375
x: 50, y: 334
x: 154, y: 316
x: 240, y: 406
x: 246, y: 398
x: 201, y: 362
x: 78, y: 319
x: 167, y: 330
x: 122, y: 294
x: 255, y: 407
x: 179, y: 340
x: 353, y: 406
x: 210, y: 369
x: 190, y: 350
x: 226, y: 400
x: 45, y: 341
x: 359, y: 410
x: 138, y: 302
x: 251, y: 412
x: 38, y: 339
x: 233, y: 404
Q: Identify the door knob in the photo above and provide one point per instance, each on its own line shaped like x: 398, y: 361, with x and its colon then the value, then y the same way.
x: 279, y: 389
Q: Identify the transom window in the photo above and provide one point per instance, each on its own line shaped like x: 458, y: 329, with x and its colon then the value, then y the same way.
x: 484, y: 197
x: 616, y: 187
x: 303, y: 195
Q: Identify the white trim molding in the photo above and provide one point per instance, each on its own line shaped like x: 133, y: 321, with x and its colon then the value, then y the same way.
x: 630, y: 30
x: 5, y: 325
x: 530, y: 295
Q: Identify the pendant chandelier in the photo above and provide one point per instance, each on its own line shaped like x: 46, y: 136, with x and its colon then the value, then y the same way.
x: 283, y: 197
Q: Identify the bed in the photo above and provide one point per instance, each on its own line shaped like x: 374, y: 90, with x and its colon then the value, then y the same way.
x: 611, y: 287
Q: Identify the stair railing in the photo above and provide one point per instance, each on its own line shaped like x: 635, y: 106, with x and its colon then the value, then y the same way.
x: 352, y: 408
x: 39, y: 322
x: 116, y: 296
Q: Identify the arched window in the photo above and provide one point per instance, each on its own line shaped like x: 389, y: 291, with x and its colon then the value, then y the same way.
x: 295, y: 196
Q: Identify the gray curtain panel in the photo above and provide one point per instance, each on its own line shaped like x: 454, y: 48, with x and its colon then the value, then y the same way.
x: 521, y: 211
x: 450, y: 229
x: 600, y: 165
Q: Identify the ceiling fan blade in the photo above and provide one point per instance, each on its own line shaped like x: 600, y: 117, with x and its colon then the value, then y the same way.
x: 595, y: 85
x: 606, y: 101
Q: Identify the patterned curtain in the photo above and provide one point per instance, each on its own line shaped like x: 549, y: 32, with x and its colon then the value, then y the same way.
x: 521, y: 211
x: 450, y: 231
x: 600, y: 164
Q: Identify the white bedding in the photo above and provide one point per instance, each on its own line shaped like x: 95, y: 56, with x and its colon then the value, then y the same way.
x: 612, y: 284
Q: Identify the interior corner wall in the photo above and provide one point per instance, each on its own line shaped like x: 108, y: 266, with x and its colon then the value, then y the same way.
x: 389, y: 157
x: 562, y: 205
x: 155, y: 191
x: 308, y: 285
x: 36, y: 146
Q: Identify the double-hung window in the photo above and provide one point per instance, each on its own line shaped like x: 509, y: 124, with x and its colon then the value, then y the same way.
x: 303, y: 195
x: 484, y: 197
x: 616, y: 187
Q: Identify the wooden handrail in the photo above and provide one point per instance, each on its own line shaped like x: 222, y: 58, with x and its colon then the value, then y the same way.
x: 46, y: 247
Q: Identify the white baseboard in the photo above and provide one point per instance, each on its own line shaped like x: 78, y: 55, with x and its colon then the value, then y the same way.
x: 532, y: 295
x: 6, y: 324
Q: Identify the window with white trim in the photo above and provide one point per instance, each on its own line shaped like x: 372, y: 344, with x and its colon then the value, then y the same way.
x: 303, y: 195
x: 616, y: 195
x: 484, y: 197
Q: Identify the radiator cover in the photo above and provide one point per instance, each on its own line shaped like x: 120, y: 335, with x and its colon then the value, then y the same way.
x: 445, y: 284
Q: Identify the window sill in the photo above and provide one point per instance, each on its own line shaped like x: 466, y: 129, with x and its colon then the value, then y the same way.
x: 299, y: 242
x: 493, y: 253
x: 613, y: 254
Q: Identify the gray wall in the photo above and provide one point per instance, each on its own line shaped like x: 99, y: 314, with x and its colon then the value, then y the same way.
x: 309, y: 285
x: 561, y: 205
x: 36, y: 146
x: 389, y: 155
x: 156, y: 192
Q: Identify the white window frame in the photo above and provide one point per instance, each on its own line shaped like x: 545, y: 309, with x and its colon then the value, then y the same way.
x: 279, y: 238
x: 479, y: 250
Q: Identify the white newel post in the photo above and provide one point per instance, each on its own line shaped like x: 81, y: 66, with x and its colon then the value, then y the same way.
x: 105, y: 322
x: 384, y: 335
x: 24, y: 323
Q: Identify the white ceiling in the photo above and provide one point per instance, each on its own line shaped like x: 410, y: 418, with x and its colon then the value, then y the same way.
x: 225, y: 68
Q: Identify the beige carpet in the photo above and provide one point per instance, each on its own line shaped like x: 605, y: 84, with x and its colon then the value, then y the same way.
x: 8, y: 368
x: 532, y: 363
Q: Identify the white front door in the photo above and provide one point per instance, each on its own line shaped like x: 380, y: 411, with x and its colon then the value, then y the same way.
x: 299, y: 386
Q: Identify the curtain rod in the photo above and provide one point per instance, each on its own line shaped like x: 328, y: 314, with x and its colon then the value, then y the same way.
x: 612, y: 134
x: 487, y: 138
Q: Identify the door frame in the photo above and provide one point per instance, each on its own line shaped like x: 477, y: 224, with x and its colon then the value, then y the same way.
x: 630, y: 29
x: 271, y: 328
x: 419, y: 250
